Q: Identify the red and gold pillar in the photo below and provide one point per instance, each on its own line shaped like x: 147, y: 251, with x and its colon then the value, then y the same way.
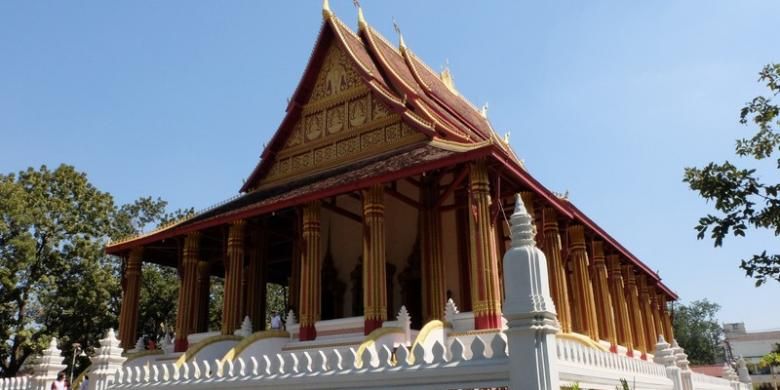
x: 374, y: 274
x: 602, y: 296
x: 635, y: 310
x: 583, y: 289
x: 187, y: 298
x: 201, y: 307
x: 667, y: 319
x: 435, y: 295
x: 294, y: 287
x: 659, y: 321
x: 619, y: 305
x: 559, y: 285
x: 310, y: 272
x: 645, y: 303
x: 483, y: 257
x: 462, y: 217
x: 256, y: 273
x: 234, y: 267
x: 128, y: 317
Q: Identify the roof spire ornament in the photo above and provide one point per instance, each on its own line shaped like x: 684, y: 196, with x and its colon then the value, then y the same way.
x: 484, y: 110
x: 361, y: 19
x: 326, y: 12
x: 401, y: 43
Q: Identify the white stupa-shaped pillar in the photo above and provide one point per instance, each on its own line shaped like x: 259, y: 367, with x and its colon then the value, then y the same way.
x: 529, y: 309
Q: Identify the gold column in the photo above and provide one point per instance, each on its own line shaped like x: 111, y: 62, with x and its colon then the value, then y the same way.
x: 602, y: 296
x: 201, y: 308
x: 659, y: 321
x: 635, y: 310
x: 667, y: 318
x: 483, y: 257
x: 558, y: 280
x: 619, y: 305
x: 647, y: 313
x: 434, y: 292
x: 234, y: 267
x: 255, y: 294
x: 187, y: 300
x: 128, y: 317
x: 374, y: 275
x: 583, y: 289
x: 310, y: 272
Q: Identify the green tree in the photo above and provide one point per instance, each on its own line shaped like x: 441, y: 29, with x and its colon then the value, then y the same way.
x: 771, y: 360
x: 157, y: 303
x: 54, y: 225
x: 743, y: 198
x: 697, y: 330
x: 47, y: 218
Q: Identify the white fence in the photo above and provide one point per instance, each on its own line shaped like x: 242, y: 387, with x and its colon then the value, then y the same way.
x: 595, y: 369
x: 486, y: 366
x: 528, y: 354
x: 18, y: 383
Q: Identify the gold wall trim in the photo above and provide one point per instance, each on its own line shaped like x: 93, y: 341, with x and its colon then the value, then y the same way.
x: 249, y: 340
x: 582, y: 339
x: 197, y: 347
x: 424, y: 333
x: 371, y: 339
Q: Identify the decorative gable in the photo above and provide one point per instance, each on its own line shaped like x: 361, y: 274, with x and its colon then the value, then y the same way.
x: 342, y: 122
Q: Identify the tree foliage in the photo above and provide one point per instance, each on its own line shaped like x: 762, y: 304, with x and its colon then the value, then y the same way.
x: 697, y: 330
x: 742, y: 197
x: 772, y: 359
x: 55, y: 279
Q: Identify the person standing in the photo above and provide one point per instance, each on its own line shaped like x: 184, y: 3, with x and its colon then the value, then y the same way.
x: 84, y: 383
x: 59, y: 384
x: 276, y: 321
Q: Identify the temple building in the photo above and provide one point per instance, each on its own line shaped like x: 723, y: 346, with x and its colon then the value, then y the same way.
x: 383, y: 188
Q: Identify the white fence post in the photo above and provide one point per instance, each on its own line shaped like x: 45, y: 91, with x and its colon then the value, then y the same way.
x: 529, y: 309
x: 742, y: 370
x: 664, y: 355
x: 682, y: 362
x: 106, y: 363
x: 47, y: 367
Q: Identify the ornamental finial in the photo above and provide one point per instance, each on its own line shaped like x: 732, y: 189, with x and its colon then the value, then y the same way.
x: 401, y: 43
x: 522, y: 225
x: 326, y: 12
x: 361, y: 19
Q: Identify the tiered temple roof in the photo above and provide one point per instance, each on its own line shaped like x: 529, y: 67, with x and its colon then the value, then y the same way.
x: 441, y: 128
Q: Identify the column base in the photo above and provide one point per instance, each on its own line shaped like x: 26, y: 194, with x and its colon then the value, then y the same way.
x: 644, y: 356
x: 371, y: 325
x: 180, y: 345
x: 307, y: 333
x: 613, y: 348
x: 487, y: 321
x: 630, y: 353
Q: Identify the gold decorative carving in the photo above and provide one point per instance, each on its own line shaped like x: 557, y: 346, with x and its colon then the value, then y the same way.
x: 379, y: 110
x: 337, y: 75
x: 341, y: 122
x: 336, y: 120
x: 358, y: 111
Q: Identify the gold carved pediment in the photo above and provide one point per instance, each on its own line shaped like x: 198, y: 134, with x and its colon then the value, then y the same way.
x: 341, y: 122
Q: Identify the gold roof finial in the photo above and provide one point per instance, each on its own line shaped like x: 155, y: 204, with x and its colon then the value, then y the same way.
x: 361, y: 19
x: 446, y: 77
x: 401, y: 43
x: 326, y: 12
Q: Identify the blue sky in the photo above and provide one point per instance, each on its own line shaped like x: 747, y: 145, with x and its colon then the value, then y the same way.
x: 607, y: 100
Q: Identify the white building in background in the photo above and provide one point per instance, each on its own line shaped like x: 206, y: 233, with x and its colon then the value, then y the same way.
x: 752, y: 346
